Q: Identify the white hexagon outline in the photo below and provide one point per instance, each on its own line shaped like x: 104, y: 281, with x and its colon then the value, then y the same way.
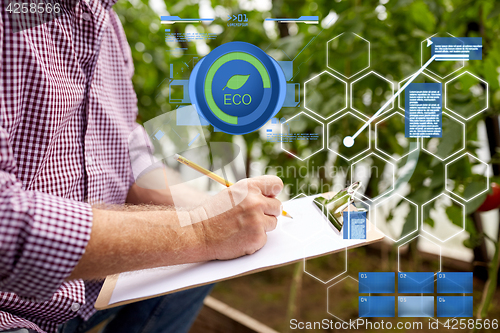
x: 359, y: 78
x: 323, y: 138
x: 303, y: 241
x: 345, y: 249
x: 422, y: 218
x: 333, y: 278
x: 346, y: 102
x: 328, y: 136
x: 422, y: 57
x: 406, y: 79
x: 410, y: 202
x: 419, y: 235
x: 458, y: 151
x: 328, y: 297
x: 369, y: 56
x: 393, y: 176
x: 487, y: 177
x: 383, y: 152
x: 446, y: 97
x: 369, y: 203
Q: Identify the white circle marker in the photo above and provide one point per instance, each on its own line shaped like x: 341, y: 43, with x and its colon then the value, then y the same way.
x: 348, y: 141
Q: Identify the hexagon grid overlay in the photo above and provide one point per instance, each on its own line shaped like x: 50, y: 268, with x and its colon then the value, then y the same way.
x: 422, y: 78
x: 404, y: 269
x: 298, y: 143
x: 340, y: 287
x: 326, y: 274
x: 340, y: 51
x: 346, y: 124
x: 370, y: 92
x: 465, y: 189
x: 362, y: 171
x: 398, y: 146
x: 441, y: 69
x: 466, y: 95
x: 389, y: 204
x: 325, y: 95
x: 441, y: 229
x: 437, y: 147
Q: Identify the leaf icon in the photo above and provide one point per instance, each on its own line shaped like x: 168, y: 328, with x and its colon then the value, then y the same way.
x: 236, y: 81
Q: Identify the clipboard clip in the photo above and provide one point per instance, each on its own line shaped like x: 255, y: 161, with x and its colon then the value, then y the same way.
x: 351, y: 192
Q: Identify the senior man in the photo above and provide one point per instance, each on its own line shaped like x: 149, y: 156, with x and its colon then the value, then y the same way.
x: 67, y: 108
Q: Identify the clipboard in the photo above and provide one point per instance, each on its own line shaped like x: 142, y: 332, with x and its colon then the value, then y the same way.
x: 105, y: 299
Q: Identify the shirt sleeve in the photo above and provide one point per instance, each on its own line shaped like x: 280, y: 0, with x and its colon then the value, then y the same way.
x: 141, y: 152
x: 42, y: 237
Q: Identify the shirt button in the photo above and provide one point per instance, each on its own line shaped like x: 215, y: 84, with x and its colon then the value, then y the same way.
x: 86, y: 16
x: 75, y: 307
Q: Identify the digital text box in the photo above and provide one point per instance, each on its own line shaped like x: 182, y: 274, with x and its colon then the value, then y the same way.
x: 423, y: 110
x: 470, y: 46
x: 454, y: 306
x: 416, y: 282
x: 376, y: 306
x: 416, y: 306
x: 454, y: 283
x: 377, y: 282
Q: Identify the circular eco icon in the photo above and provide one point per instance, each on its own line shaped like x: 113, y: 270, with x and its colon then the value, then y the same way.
x: 237, y: 87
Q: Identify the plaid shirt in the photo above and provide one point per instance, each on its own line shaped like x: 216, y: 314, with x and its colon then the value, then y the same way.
x: 67, y: 107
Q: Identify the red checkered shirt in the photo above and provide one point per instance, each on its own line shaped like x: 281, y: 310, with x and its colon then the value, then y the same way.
x: 67, y: 107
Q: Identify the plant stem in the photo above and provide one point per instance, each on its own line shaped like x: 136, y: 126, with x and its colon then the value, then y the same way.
x: 296, y: 286
x: 491, y: 285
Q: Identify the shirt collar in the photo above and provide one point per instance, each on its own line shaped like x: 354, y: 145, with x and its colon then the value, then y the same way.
x: 106, y: 4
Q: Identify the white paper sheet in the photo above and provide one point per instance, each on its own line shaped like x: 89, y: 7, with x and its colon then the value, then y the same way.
x: 308, y: 234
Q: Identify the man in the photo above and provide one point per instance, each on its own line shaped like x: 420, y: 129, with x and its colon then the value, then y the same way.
x: 67, y: 107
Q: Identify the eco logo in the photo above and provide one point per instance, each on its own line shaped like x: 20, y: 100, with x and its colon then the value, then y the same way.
x: 237, y: 88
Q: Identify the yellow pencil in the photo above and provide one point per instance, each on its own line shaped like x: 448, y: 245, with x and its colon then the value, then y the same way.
x: 211, y: 175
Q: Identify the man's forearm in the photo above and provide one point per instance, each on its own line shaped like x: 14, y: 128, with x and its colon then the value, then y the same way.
x: 230, y: 224
x: 123, y: 241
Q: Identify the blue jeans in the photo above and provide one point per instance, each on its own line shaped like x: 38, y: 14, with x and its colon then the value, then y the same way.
x: 171, y: 313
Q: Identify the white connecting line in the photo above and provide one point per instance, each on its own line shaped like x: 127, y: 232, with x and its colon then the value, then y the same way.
x: 349, y: 140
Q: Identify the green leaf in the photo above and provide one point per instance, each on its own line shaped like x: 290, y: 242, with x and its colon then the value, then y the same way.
x: 410, y: 226
x: 455, y: 214
x: 473, y: 241
x: 495, y: 12
x: 471, y: 189
x: 236, y: 81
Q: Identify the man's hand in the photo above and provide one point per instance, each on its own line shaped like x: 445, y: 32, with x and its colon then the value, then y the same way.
x: 236, y: 220
x: 231, y: 224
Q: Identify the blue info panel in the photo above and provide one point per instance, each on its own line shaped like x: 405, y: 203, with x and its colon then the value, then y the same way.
x: 470, y: 46
x: 416, y: 306
x: 423, y: 110
x: 376, y: 306
x: 454, y: 283
x: 454, y: 306
x: 377, y: 283
x: 416, y: 282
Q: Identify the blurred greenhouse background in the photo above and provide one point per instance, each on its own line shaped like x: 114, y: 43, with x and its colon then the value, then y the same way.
x: 333, y: 62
